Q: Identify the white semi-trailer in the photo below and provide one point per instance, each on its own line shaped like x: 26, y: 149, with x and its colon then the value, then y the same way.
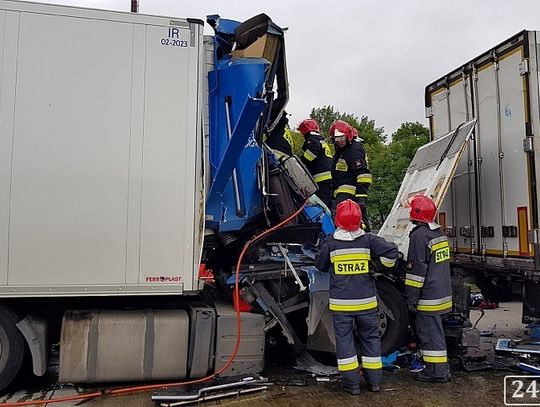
x: 491, y: 212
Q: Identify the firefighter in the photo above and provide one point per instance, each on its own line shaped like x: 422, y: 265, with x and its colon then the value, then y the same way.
x: 280, y: 139
x: 318, y: 159
x: 353, y: 295
x: 428, y: 287
x: 350, y: 174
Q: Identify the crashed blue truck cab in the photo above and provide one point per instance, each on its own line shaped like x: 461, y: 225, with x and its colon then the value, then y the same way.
x: 252, y: 190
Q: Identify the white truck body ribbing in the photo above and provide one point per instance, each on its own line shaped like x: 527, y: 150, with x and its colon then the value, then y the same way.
x: 492, y: 202
x: 101, y: 152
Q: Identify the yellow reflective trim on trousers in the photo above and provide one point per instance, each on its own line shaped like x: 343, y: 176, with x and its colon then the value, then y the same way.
x: 345, y: 189
x: 323, y: 176
x: 308, y: 155
x: 435, y: 359
x: 355, y: 307
x: 439, y: 246
x: 434, y: 308
x: 372, y: 365
x: 348, y: 366
x: 413, y: 283
x: 350, y: 256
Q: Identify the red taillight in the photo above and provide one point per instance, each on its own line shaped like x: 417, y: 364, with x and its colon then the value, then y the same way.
x: 206, y: 274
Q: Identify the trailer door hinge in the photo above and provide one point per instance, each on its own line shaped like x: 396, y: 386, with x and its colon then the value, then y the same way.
x: 429, y: 112
x: 524, y: 67
x: 532, y: 236
x: 528, y: 145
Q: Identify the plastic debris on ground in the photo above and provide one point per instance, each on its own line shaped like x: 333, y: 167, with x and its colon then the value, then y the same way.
x: 307, y: 363
x: 416, y: 365
x: 478, y: 300
x: 529, y: 368
x: 389, y: 361
x: 297, y: 382
x: 534, y: 330
x: 213, y: 390
x: 518, y: 346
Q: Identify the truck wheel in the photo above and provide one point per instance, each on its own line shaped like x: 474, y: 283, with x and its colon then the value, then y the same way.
x: 393, y: 332
x: 11, y: 347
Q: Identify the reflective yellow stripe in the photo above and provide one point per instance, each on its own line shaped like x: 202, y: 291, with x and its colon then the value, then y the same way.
x: 439, y: 246
x: 345, y: 189
x: 322, y: 176
x: 308, y: 155
x: 278, y: 154
x: 412, y: 283
x: 341, y: 165
x: 372, y: 365
x: 348, y: 366
x: 350, y: 256
x: 439, y: 239
x: 361, y: 195
x: 435, y: 359
x: 363, y: 180
x: 434, y: 307
x: 386, y: 262
x: 288, y: 135
x: 353, y: 307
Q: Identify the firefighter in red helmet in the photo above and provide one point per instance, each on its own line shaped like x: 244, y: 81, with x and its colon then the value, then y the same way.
x: 318, y: 159
x: 428, y: 287
x: 353, y: 295
x: 350, y: 174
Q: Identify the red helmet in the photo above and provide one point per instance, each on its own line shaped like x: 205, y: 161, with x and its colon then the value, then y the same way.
x: 307, y: 126
x: 340, y: 128
x: 423, y: 209
x: 348, y: 215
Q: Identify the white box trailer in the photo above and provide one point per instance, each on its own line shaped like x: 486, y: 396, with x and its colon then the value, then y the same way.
x: 101, y: 149
x: 104, y: 145
x: 491, y: 212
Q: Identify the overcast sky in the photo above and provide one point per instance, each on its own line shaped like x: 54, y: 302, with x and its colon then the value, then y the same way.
x: 370, y: 58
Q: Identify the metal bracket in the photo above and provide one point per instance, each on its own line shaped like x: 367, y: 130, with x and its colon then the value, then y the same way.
x: 278, y: 313
x: 293, y: 270
x: 528, y: 144
x: 524, y: 67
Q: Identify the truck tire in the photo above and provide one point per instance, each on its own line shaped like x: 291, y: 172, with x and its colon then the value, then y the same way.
x: 393, y: 332
x: 11, y: 347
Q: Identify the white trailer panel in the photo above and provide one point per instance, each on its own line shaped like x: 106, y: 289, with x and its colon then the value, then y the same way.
x: 488, y: 153
x: 498, y: 92
x: 430, y: 174
x: 101, y: 183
